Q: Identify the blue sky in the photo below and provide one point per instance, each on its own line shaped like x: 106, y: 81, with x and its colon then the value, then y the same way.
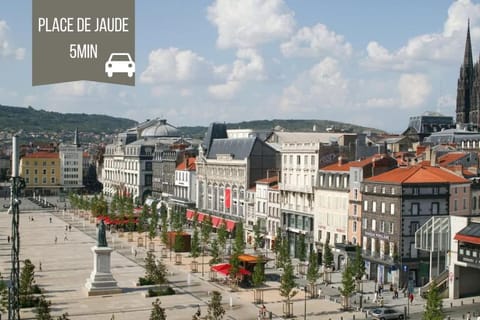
x: 372, y: 63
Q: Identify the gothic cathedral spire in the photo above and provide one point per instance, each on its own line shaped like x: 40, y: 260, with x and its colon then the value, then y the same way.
x: 465, y: 83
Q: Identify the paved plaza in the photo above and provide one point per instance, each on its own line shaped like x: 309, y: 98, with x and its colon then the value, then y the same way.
x: 67, y: 263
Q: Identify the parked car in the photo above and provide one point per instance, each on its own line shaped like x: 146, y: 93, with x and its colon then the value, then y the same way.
x: 386, y: 313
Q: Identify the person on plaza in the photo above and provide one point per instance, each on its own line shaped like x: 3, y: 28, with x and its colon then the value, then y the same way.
x: 395, y: 293
x: 56, y: 239
x: 8, y: 239
x: 264, y: 310
x: 410, y: 297
x: 198, y: 313
x: 65, y: 238
x: 50, y: 219
x: 40, y: 266
x: 469, y: 316
x: 69, y: 227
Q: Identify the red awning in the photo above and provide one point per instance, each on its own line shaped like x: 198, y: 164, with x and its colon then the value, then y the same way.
x: 216, y: 221
x: 190, y: 214
x: 230, y: 225
x: 224, y: 268
x: 465, y: 238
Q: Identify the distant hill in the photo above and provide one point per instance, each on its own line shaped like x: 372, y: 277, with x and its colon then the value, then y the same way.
x: 29, y: 119
x: 288, y: 125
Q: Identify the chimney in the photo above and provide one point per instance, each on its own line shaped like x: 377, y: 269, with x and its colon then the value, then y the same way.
x: 433, y: 158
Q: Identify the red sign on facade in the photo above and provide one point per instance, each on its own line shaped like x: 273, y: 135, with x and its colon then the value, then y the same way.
x: 228, y: 199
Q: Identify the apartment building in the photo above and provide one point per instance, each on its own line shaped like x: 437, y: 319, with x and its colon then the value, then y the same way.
x: 395, y: 205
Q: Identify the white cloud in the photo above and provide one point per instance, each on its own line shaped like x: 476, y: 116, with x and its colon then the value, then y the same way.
x: 172, y: 65
x: 224, y: 91
x: 323, y: 86
x: 422, y: 49
x: 7, y: 49
x: 379, y: 103
x: 448, y: 101
x: 317, y: 41
x: 414, y: 89
x: 248, y: 23
x: 248, y: 66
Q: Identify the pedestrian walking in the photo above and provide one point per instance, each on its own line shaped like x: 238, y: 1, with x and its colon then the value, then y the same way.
x: 40, y: 265
x: 70, y: 227
x: 410, y: 297
x: 135, y: 253
x: 395, y: 293
x: 8, y: 239
x: 50, y: 219
x: 56, y: 239
x: 65, y: 238
x: 469, y: 316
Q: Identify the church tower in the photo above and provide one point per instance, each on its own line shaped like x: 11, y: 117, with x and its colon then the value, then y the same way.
x: 465, y: 84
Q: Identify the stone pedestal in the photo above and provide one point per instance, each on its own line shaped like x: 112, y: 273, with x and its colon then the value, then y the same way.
x: 101, y: 281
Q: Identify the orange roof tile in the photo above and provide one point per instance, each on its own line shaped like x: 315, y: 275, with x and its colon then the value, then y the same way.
x: 418, y: 174
x: 268, y: 180
x: 191, y: 164
x: 42, y: 154
x: 448, y: 158
x: 356, y: 164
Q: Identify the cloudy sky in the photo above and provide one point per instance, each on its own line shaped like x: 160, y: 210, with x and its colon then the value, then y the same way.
x: 372, y: 62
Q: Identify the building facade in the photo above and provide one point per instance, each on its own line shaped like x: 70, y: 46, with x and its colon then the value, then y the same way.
x: 228, y: 169
x: 395, y: 205
x: 42, y: 173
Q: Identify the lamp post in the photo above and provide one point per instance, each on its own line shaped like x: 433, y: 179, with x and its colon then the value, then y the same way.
x: 203, y: 249
x: 305, y: 304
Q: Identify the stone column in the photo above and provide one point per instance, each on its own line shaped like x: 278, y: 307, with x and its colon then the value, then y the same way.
x: 101, y: 280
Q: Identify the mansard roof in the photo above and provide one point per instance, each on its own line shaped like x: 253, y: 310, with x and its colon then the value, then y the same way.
x: 238, y: 148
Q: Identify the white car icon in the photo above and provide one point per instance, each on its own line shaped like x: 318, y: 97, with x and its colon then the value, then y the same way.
x: 120, y: 63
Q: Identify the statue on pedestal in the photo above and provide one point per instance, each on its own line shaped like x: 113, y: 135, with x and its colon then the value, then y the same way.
x: 101, y: 236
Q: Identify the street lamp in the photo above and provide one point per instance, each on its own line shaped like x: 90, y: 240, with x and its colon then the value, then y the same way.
x: 305, y: 304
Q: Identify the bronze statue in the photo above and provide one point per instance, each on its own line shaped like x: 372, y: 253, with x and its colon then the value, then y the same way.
x: 101, y: 236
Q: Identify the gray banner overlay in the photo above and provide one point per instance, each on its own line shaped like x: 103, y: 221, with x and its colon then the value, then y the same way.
x: 83, y: 40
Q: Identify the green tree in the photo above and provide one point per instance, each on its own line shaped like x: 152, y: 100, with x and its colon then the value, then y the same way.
x: 327, y: 261
x: 239, y: 245
x: 27, y: 282
x: 238, y: 249
x: 157, y: 313
x: 64, y: 316
x: 205, y: 230
x: 327, y: 256
x: 152, y: 227
x: 313, y: 273
x: 258, y: 276
x: 42, y: 309
x: 358, y: 264
x: 155, y: 270
x: 215, y: 309
x: 143, y: 219
x: 257, y: 234
x: 222, y: 235
x: 287, y: 282
x: 215, y: 251
x: 277, y: 248
x: 302, y: 248
x: 164, y: 219
x: 348, y: 285
x: 433, y: 306
x: 195, y: 246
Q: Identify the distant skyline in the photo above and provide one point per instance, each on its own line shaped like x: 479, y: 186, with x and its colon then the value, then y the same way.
x: 372, y: 63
